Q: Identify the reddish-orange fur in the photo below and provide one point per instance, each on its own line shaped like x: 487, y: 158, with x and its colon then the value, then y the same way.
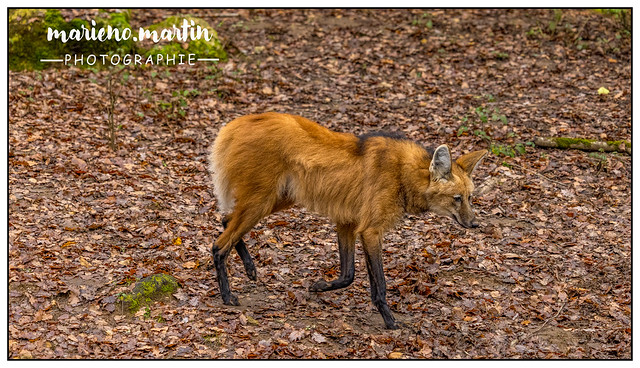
x: 264, y: 163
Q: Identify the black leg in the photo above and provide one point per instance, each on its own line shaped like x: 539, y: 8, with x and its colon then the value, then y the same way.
x: 347, y: 245
x: 373, y: 253
x: 243, y: 252
x: 249, y: 267
x: 372, y: 281
x: 223, y: 282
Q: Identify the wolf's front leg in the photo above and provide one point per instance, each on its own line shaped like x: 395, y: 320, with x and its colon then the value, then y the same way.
x: 373, y: 251
x: 347, y: 245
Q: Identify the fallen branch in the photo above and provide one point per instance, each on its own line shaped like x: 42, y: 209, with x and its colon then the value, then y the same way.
x: 583, y: 144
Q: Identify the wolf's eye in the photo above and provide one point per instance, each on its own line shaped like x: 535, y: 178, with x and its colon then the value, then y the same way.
x: 457, y: 198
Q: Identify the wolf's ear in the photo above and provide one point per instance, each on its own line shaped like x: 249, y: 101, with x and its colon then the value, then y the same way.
x: 471, y: 160
x: 440, y: 167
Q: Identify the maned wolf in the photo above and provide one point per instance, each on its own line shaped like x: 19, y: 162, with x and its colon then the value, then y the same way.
x: 261, y: 164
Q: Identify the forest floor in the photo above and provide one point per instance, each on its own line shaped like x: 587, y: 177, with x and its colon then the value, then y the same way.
x: 546, y: 275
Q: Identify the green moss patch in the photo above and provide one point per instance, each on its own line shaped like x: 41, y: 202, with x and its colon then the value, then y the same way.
x: 27, y: 38
x: 148, y: 290
x: 28, y: 43
x: 565, y: 143
x: 28, y: 29
x: 201, y: 47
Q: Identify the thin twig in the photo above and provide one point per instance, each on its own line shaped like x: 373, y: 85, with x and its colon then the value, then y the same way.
x: 539, y: 174
x: 547, y: 321
x: 516, y: 340
x: 531, y: 171
x: 580, y: 31
x: 113, y: 96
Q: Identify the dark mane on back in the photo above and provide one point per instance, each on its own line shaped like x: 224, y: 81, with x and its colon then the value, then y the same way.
x: 429, y: 150
x: 362, y: 139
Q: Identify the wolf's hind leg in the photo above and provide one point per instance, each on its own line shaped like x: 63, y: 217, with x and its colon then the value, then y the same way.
x: 240, y: 222
x: 243, y: 252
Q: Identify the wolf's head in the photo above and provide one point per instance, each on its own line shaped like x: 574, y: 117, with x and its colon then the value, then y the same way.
x: 450, y: 187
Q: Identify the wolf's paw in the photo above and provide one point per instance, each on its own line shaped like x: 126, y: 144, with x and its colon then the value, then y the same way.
x: 230, y: 300
x: 251, y: 273
x: 319, y: 286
